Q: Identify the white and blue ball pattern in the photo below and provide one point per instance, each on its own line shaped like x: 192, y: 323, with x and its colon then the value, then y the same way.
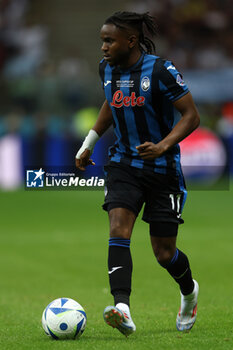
x: 64, y: 318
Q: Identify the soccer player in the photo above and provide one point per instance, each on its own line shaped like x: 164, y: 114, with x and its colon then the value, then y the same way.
x: 141, y: 92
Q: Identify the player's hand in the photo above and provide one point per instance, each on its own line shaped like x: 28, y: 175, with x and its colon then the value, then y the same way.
x: 150, y: 150
x: 84, y: 160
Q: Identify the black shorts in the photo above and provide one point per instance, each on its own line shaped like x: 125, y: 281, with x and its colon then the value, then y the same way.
x: 130, y: 187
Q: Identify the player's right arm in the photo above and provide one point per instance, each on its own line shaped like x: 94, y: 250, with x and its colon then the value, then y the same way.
x: 103, y: 122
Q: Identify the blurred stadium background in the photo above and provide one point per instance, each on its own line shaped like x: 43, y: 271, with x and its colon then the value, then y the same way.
x: 50, y: 89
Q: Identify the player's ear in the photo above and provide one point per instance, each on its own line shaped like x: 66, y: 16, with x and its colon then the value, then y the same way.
x: 132, y: 41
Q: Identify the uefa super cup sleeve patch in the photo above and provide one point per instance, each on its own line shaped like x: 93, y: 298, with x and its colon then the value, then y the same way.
x: 179, y: 80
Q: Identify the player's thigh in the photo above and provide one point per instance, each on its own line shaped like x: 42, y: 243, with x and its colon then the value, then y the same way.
x: 123, y: 189
x: 164, y: 205
x: 164, y: 201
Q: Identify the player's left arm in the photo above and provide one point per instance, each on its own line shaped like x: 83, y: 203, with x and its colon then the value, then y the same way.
x: 189, y: 121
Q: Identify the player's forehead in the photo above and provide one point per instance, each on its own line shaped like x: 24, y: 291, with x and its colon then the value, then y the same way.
x: 111, y: 31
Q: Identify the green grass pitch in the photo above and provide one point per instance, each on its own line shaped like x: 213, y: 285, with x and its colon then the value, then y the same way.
x: 54, y: 244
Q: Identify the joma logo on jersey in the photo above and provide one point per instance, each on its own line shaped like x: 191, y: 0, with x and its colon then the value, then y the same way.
x: 118, y: 100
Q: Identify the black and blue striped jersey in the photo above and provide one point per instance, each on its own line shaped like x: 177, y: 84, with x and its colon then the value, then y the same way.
x: 141, y: 102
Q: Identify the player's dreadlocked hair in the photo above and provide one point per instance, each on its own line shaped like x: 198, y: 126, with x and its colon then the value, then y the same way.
x: 125, y: 20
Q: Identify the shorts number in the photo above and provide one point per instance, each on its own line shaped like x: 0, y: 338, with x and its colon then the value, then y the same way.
x: 175, y: 202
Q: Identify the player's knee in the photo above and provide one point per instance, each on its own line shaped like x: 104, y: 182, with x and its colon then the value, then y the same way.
x: 164, y: 256
x: 119, y: 230
x: 121, y: 223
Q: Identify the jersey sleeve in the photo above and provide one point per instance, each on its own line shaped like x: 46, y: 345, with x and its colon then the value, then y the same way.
x: 171, y: 82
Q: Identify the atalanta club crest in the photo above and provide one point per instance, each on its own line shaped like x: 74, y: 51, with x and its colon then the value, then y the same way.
x: 145, y: 83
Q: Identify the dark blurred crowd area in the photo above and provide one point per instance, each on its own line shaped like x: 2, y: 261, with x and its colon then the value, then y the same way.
x: 50, y: 103
x: 197, y: 34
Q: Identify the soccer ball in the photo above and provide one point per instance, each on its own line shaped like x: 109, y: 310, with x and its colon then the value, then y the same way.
x: 64, y: 318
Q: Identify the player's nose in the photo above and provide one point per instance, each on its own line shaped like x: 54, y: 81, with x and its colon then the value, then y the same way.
x: 104, y: 47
